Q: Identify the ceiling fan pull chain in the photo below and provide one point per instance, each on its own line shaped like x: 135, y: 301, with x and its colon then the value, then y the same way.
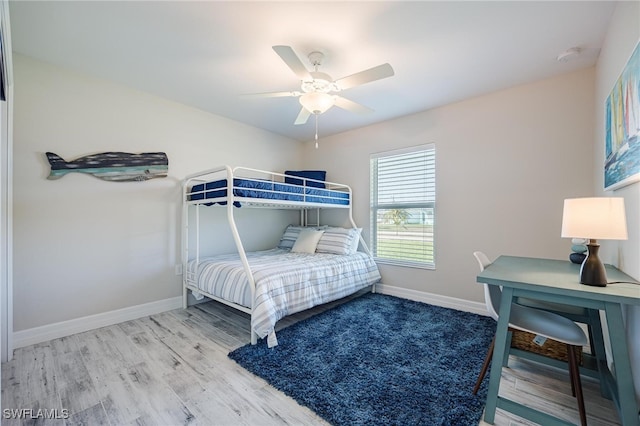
x: 316, y: 130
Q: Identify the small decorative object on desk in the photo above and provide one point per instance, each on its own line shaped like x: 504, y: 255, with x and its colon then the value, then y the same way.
x: 578, y: 250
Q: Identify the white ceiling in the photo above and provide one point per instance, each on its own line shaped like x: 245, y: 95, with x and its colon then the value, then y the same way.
x: 208, y: 54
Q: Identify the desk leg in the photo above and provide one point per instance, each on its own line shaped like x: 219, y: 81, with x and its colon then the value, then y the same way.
x: 628, y: 406
x: 499, y: 354
x: 597, y: 344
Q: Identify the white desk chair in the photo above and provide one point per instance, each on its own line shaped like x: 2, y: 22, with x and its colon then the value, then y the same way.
x: 575, y: 313
x: 543, y: 323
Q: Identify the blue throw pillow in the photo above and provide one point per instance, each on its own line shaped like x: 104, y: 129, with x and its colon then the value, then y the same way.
x: 307, y: 174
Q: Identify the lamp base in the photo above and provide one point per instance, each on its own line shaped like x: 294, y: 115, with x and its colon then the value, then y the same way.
x: 592, y: 271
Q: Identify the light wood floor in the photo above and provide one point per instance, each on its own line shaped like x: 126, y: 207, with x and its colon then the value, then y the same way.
x: 172, y: 368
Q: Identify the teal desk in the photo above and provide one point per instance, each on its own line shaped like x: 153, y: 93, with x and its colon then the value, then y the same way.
x: 557, y: 281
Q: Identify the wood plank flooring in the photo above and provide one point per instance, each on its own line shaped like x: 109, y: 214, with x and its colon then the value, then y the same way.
x: 172, y: 369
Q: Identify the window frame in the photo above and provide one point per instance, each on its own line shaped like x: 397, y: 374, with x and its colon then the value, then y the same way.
x: 375, y: 206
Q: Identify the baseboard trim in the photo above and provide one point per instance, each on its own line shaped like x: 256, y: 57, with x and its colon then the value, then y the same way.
x: 434, y: 299
x: 48, y: 332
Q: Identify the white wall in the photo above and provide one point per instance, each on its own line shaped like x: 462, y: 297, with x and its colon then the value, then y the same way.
x: 84, y: 246
x: 504, y: 164
x: 622, y: 36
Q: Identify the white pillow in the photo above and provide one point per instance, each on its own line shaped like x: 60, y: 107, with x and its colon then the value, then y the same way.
x: 307, y: 241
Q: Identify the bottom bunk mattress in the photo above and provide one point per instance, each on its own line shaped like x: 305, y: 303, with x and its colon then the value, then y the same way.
x: 285, y: 282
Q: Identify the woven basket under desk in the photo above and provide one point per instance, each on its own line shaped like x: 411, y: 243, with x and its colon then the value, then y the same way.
x: 524, y: 341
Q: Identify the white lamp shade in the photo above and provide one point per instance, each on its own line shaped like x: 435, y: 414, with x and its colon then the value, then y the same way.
x: 599, y: 218
x: 317, y: 102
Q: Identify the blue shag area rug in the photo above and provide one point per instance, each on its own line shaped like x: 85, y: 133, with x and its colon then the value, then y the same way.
x: 380, y: 360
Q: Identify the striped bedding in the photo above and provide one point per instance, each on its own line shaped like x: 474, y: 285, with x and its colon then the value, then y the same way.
x: 286, y: 282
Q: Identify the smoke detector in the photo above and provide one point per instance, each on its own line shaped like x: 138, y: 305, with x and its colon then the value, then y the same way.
x: 569, y: 54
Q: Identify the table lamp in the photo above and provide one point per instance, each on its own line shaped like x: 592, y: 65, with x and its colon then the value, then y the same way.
x: 599, y: 218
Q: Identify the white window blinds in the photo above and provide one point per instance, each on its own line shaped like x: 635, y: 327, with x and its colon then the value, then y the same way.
x: 403, y: 197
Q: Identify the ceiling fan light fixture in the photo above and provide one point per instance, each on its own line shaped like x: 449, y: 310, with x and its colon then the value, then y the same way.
x: 316, y: 102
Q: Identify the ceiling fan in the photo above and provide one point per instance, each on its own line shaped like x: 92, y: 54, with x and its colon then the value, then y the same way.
x: 318, y: 90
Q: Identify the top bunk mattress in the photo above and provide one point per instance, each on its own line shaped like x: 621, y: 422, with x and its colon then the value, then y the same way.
x: 216, y: 192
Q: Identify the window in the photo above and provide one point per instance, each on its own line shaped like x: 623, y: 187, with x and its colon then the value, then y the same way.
x: 403, y: 202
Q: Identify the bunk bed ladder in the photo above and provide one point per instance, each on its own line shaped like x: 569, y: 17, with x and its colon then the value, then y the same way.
x: 239, y: 246
x: 362, y: 242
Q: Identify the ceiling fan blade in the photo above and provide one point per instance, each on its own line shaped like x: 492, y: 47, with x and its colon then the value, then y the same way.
x: 302, y: 117
x: 272, y: 94
x: 349, y: 105
x: 366, y: 76
x: 291, y: 59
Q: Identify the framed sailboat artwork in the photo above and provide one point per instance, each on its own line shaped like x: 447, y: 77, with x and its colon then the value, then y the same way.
x: 622, y: 127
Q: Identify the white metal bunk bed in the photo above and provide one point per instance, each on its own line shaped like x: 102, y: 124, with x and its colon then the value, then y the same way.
x: 241, y: 186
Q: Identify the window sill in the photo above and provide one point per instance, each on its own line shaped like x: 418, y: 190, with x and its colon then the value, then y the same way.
x: 404, y: 263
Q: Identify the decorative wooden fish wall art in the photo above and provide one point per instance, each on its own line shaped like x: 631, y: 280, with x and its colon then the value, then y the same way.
x: 112, y: 166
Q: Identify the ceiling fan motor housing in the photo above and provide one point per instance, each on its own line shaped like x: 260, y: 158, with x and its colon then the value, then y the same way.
x: 321, y: 83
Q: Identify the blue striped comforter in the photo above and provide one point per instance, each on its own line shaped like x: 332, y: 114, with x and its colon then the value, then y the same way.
x: 286, y: 282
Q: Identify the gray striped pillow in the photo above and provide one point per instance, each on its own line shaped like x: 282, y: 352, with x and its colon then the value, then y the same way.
x: 338, y: 241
